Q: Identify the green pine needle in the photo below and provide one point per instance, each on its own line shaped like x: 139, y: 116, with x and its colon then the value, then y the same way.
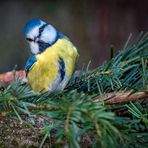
x: 74, y: 115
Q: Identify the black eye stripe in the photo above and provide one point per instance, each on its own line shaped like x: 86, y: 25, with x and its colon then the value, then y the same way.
x: 41, y: 29
x: 29, y: 39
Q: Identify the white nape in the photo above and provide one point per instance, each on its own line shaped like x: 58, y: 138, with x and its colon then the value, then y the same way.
x: 49, y: 34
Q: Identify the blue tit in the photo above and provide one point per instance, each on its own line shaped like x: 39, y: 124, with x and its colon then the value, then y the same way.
x: 53, y: 57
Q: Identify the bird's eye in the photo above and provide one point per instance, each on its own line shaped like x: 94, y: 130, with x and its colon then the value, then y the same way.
x: 29, y: 39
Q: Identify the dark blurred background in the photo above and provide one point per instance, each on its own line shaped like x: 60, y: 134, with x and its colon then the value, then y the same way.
x: 92, y: 25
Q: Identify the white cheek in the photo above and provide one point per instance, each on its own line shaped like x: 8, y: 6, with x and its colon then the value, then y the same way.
x: 34, y: 47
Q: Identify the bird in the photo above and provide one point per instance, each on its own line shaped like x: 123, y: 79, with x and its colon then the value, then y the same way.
x: 53, y: 57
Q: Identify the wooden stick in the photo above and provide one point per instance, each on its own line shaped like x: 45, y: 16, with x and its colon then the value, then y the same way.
x: 122, y: 97
x: 8, y: 77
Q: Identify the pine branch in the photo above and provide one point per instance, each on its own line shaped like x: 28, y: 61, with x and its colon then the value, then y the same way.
x: 86, y: 107
x: 109, y: 99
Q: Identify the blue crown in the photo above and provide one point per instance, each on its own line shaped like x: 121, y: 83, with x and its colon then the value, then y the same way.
x: 31, y: 24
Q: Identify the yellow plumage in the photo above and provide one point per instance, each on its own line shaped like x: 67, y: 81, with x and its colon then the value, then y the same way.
x: 45, y: 71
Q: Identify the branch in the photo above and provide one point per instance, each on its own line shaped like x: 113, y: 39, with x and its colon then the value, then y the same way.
x: 46, y: 108
x: 8, y: 77
x: 109, y: 98
x: 122, y: 97
x: 35, y: 108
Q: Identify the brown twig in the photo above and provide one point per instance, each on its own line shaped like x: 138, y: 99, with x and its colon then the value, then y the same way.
x: 122, y: 97
x: 34, y: 108
x: 109, y: 98
x: 49, y: 108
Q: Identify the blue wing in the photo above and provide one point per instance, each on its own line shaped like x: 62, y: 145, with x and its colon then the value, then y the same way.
x: 29, y: 63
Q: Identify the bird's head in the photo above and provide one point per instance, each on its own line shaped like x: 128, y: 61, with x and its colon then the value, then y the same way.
x: 39, y: 35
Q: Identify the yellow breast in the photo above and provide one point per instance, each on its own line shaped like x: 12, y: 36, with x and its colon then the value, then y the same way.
x: 45, y: 71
